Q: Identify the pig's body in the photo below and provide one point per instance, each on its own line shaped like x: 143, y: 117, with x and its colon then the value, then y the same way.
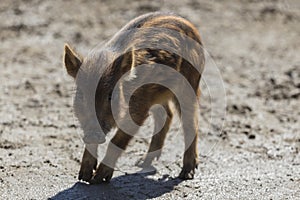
x: 160, y: 52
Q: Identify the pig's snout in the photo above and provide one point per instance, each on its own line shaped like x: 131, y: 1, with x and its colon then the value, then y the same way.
x: 94, y: 137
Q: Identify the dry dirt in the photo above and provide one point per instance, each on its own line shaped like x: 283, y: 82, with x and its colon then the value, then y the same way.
x: 255, y: 45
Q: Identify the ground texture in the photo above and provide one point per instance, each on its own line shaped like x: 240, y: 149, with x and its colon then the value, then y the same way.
x: 255, y: 45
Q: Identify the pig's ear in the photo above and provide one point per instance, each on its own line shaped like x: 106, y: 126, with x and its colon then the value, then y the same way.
x: 72, y: 61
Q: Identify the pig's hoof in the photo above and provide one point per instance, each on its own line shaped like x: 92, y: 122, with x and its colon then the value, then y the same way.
x: 102, y: 174
x: 187, y: 172
x: 146, y: 161
x: 86, y: 170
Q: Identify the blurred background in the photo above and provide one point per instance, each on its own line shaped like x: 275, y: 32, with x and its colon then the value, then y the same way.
x: 255, y: 45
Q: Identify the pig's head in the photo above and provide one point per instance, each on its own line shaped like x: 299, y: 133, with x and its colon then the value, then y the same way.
x: 93, y: 92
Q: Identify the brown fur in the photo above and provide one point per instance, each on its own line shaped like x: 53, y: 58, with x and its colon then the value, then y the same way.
x: 147, y: 95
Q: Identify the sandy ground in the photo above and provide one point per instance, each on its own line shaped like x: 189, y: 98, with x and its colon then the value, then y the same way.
x: 255, y: 45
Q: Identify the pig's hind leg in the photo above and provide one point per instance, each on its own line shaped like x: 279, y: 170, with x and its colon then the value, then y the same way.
x: 158, y: 139
x: 189, y: 119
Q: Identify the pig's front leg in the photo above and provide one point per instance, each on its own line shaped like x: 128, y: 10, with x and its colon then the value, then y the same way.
x: 115, y: 148
x: 88, y: 163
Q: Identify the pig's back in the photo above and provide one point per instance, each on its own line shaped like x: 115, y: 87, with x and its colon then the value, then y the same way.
x: 162, y: 38
x: 165, y: 20
x: 158, y: 22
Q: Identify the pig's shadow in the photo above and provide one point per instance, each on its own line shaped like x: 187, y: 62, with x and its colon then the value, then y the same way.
x: 134, y: 186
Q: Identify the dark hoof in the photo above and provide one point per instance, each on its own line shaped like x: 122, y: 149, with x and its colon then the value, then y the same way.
x: 86, y: 170
x: 188, y: 171
x: 186, y: 174
x: 103, y: 174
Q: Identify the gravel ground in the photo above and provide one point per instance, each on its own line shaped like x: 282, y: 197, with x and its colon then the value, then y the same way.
x: 254, y: 44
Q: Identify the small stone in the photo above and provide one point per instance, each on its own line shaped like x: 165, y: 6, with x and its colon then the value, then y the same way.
x: 251, y: 136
